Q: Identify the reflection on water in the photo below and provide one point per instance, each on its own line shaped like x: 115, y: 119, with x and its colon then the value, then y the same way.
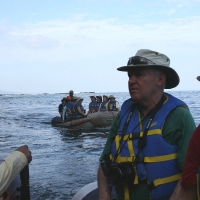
x: 63, y: 160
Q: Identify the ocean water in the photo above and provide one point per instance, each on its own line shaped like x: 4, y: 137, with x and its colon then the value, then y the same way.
x: 63, y: 160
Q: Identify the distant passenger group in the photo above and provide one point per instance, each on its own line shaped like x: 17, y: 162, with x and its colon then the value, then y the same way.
x: 71, y: 106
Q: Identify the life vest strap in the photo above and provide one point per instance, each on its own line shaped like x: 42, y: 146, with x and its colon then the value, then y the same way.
x: 141, y: 159
x: 133, y: 136
x: 126, y: 192
x: 161, y: 181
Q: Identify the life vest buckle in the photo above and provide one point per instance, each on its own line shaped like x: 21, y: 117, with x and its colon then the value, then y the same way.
x: 139, y: 159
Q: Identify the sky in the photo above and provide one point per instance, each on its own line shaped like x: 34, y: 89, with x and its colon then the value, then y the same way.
x: 53, y: 46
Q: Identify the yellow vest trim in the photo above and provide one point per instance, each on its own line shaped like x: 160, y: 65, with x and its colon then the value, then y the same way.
x: 151, y: 132
x: 160, y: 158
x: 148, y: 159
x: 126, y: 192
x: 169, y: 179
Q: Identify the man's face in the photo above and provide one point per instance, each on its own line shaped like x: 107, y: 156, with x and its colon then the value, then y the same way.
x: 93, y: 98
x: 112, y: 99
x: 142, y: 84
x: 71, y: 94
x: 105, y: 99
x: 98, y: 99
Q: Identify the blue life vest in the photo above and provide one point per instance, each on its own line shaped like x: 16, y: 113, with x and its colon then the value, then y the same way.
x: 113, y: 106
x: 158, y: 159
x: 103, y: 106
x: 97, y: 105
x: 92, y: 105
x: 69, y: 109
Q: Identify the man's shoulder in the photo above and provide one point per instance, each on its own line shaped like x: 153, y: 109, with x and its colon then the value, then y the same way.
x: 180, y: 114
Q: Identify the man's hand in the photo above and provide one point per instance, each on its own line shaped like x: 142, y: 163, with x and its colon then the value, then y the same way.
x: 24, y: 149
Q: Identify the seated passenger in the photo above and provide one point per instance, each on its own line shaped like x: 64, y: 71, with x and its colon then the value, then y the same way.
x: 78, y: 110
x: 67, y: 110
x: 113, y: 105
x: 98, y: 103
x: 71, y: 95
x: 61, y: 106
x: 92, y: 104
x: 104, y: 105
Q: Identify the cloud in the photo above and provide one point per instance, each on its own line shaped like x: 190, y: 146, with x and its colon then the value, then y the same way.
x: 184, y: 2
x: 55, y: 39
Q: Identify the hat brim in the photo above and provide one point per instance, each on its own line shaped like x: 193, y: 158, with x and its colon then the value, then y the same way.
x: 171, y: 75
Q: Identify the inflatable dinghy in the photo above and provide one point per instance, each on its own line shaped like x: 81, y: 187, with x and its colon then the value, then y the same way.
x: 91, y: 121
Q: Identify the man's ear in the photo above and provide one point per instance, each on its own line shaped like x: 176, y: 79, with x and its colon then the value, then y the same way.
x: 161, y: 79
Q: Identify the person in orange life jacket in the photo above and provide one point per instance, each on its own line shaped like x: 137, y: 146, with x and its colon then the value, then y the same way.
x: 103, y: 106
x: 12, y: 166
x: 113, y: 105
x: 71, y: 95
x: 189, y: 187
x: 92, y: 104
x: 98, y: 103
x: 146, y: 146
x: 67, y: 110
x: 78, y: 110
x: 61, y: 106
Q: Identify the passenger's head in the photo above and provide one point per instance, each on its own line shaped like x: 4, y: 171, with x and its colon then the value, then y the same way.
x: 63, y: 100
x: 105, y: 98
x: 111, y: 98
x: 149, y: 74
x: 93, y: 98
x: 80, y: 100
x: 99, y: 98
x: 198, y: 78
x: 71, y: 93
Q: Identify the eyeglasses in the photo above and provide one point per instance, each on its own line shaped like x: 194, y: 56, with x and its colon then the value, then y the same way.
x: 137, y: 60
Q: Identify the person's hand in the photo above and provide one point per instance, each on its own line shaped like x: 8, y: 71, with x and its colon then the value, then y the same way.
x: 24, y: 149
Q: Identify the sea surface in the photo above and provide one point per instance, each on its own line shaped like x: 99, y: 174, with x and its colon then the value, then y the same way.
x: 63, y: 160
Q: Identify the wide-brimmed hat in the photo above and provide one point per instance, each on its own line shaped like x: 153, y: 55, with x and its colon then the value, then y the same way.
x: 152, y: 59
x: 79, y: 98
x: 111, y: 97
x: 198, y: 78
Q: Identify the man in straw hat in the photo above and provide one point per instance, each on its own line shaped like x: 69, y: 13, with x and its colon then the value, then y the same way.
x: 78, y: 110
x: 145, y: 150
x: 113, y: 105
x: 189, y: 188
